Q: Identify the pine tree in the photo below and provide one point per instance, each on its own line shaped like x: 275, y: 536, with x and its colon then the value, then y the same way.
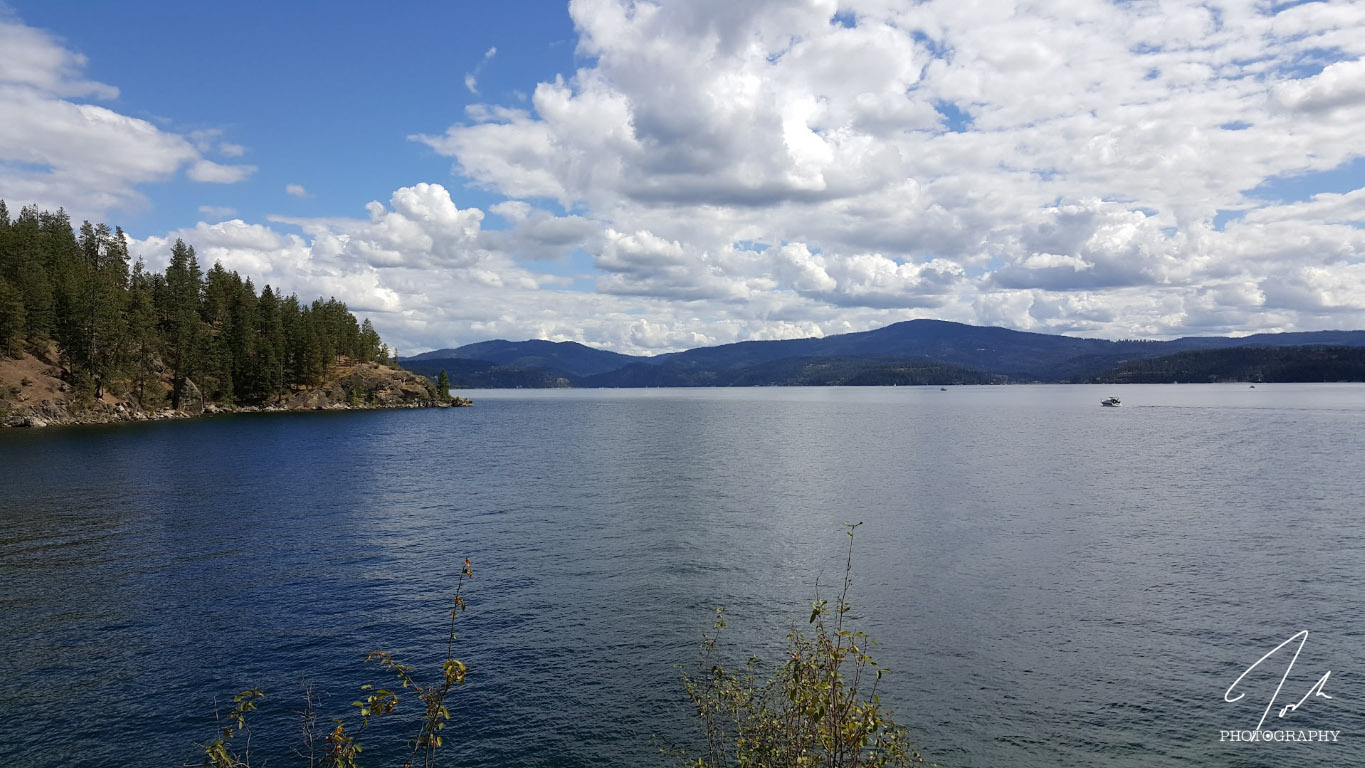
x: 27, y: 272
x: 11, y: 320
x: 112, y: 357
x: 12, y: 313
x: 92, y: 323
x: 182, y: 328
x: 216, y: 366
x: 142, y: 337
x: 116, y: 324
x: 443, y: 385
x: 270, y: 344
x: 242, y: 344
x: 370, y: 345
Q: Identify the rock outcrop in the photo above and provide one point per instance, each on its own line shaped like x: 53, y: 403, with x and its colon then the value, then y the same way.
x: 38, y: 398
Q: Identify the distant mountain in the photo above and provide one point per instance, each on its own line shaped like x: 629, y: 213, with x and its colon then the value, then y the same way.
x: 483, y: 374
x: 999, y: 350
x: 798, y: 372
x: 924, y: 351
x: 566, y: 357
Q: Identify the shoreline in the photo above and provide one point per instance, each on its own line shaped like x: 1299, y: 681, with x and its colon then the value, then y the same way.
x: 58, y: 415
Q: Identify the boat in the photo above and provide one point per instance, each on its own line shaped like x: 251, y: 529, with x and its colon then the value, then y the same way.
x: 1110, y: 402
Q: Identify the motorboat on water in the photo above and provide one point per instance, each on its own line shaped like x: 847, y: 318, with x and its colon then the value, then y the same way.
x: 1110, y: 402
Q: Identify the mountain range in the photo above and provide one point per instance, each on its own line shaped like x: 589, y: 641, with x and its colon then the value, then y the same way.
x: 910, y: 352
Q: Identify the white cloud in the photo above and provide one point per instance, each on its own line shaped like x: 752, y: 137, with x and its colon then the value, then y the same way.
x: 56, y: 151
x: 35, y: 59
x: 209, y: 171
x: 218, y: 211
x: 210, y: 140
x: 1339, y: 85
x: 471, y: 79
x: 1050, y: 167
x: 295, y: 190
x: 537, y: 234
x: 727, y: 171
x: 419, y: 266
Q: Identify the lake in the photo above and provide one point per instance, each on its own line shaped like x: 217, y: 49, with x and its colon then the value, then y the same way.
x: 1051, y: 582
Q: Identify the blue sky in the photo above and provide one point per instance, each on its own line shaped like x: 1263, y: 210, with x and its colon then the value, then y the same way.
x: 321, y: 94
x: 649, y: 176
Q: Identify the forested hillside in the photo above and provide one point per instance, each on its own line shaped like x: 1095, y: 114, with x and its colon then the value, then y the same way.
x: 905, y: 353
x: 1250, y: 363
x: 72, y: 299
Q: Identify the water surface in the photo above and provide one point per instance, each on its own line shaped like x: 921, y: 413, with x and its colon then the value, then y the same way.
x: 1051, y: 582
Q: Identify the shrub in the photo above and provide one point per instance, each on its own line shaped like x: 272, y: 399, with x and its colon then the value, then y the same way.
x: 819, y: 708
x: 340, y: 747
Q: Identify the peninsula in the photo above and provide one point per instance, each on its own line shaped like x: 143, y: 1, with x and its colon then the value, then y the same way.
x: 88, y: 337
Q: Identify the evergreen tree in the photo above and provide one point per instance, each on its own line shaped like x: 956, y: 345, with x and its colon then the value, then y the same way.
x: 221, y: 289
x: 92, y: 324
x: 291, y: 320
x: 112, y: 357
x: 270, y: 344
x: 142, y: 337
x: 247, y: 380
x: 112, y: 323
x: 11, y: 320
x: 183, y: 330
x: 26, y: 270
x: 370, y: 346
x: 443, y: 385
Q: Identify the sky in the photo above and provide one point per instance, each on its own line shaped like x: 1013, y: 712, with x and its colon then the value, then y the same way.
x: 654, y: 176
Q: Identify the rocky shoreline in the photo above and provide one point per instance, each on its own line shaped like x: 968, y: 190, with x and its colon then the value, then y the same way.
x: 355, y: 387
x: 40, y: 416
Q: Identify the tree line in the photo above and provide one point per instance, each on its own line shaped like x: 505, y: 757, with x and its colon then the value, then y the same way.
x: 1250, y: 363
x: 160, y: 337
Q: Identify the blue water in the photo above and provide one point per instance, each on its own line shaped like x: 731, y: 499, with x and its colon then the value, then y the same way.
x: 1051, y: 582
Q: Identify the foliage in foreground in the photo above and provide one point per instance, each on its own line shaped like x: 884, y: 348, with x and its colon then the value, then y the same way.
x: 819, y: 708
x: 340, y: 747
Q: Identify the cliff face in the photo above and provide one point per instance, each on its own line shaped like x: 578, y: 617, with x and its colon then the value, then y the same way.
x: 33, y: 395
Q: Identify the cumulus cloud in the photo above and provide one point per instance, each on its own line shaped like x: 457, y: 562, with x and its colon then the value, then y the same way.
x: 718, y: 171
x: 57, y: 151
x: 421, y: 267
x: 537, y: 234
x: 1339, y: 85
x: 1051, y: 167
x: 295, y: 190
